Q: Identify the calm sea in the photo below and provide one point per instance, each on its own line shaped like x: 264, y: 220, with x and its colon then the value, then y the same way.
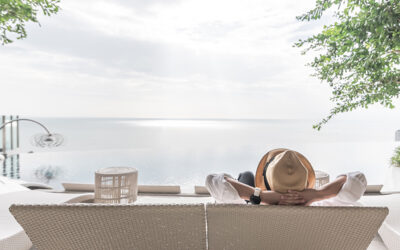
x: 183, y: 152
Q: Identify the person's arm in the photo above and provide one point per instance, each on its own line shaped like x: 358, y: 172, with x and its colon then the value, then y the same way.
x: 326, y: 191
x: 331, y: 189
x: 267, y: 197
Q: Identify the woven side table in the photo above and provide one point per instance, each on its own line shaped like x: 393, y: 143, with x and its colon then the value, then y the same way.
x: 116, y: 185
x: 321, y: 178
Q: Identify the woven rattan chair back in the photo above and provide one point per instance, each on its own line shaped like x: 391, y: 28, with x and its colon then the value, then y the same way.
x: 292, y: 227
x: 73, y: 226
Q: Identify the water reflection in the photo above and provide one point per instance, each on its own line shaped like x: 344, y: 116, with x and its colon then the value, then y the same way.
x: 48, y: 173
x: 11, y: 166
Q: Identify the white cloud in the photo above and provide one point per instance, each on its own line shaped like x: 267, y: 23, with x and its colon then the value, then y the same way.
x: 198, y: 59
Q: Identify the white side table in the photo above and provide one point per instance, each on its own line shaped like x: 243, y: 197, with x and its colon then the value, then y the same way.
x: 321, y: 178
x: 116, y: 185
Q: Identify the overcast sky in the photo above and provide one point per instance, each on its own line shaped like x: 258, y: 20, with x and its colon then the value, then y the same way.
x: 171, y: 59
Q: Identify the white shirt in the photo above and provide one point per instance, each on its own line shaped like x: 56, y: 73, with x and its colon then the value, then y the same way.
x: 351, y: 191
x: 349, y: 194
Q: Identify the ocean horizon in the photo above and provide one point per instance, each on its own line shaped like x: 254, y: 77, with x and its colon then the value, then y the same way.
x: 184, y: 151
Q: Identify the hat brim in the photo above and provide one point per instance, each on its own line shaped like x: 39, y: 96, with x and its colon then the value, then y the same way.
x: 259, y: 179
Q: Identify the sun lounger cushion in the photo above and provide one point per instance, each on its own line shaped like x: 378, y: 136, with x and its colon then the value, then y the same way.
x: 159, y: 189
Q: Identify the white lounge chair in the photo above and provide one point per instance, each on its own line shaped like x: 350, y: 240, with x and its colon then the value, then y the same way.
x: 292, y: 227
x: 12, y: 236
x: 147, y: 189
x: 94, y: 226
x: 390, y: 229
x: 113, y: 226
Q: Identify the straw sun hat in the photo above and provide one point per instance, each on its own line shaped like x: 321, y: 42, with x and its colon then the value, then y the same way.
x: 282, y: 170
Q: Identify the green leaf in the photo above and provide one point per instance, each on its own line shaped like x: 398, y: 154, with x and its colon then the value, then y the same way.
x: 360, y: 53
x: 14, y: 14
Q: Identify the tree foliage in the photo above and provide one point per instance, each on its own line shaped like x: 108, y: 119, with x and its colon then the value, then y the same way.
x: 14, y: 14
x: 395, y: 160
x: 359, y: 54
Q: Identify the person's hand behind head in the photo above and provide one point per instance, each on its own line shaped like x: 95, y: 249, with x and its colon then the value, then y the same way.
x: 291, y: 199
x: 309, y: 195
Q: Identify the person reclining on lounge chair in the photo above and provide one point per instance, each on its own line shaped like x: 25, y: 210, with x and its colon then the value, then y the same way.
x: 286, y: 177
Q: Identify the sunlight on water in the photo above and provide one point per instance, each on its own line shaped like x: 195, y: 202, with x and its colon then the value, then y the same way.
x: 179, y: 123
x: 184, y: 151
